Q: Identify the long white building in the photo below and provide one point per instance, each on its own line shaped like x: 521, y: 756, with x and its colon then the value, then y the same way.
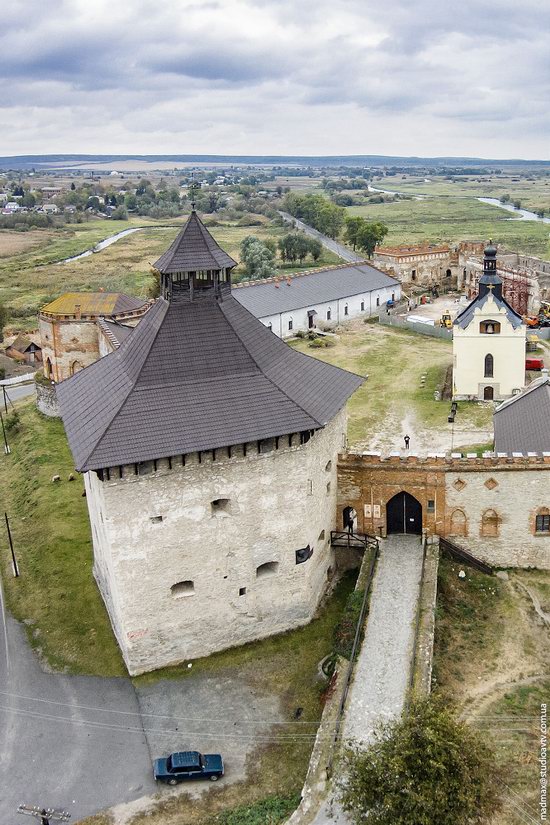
x: 331, y: 295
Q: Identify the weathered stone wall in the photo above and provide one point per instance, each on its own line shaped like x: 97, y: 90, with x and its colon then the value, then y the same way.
x: 70, y: 345
x: 212, y: 525
x: 46, y: 401
x: 426, y: 267
x: 487, y: 505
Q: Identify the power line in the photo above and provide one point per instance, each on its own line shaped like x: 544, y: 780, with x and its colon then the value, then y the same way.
x: 153, y: 715
x: 260, y: 737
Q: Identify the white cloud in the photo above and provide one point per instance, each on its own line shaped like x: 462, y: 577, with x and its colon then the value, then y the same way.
x: 276, y: 76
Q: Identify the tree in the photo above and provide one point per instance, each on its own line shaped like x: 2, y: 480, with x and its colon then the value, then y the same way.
x: 302, y: 247
x: 73, y: 186
x: 120, y: 214
x: 259, y: 261
x: 353, y: 226
x: 505, y: 198
x: 422, y: 769
x: 315, y: 248
x: 369, y: 235
x: 4, y: 315
x: 130, y: 201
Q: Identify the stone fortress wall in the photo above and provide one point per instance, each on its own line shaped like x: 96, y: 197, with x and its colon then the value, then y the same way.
x: 70, y: 343
x: 487, y: 505
x: 197, y: 557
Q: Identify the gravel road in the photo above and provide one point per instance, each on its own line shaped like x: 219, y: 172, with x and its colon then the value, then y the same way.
x: 330, y: 244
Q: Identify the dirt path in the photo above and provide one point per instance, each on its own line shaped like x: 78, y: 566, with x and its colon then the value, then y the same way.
x: 523, y: 658
x: 422, y: 440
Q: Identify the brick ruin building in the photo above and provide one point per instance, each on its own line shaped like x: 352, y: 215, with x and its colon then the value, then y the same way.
x: 526, y: 278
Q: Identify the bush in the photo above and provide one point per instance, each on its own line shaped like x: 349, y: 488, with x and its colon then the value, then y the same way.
x: 11, y: 422
x: 319, y: 343
x: 424, y: 768
x: 2, y: 373
x: 271, y: 811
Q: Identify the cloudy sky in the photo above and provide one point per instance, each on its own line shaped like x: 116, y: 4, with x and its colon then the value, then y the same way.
x: 423, y: 77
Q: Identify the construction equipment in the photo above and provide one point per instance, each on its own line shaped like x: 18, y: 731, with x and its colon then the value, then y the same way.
x: 446, y: 321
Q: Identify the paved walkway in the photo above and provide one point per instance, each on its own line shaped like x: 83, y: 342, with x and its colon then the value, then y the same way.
x: 329, y: 243
x: 382, y: 669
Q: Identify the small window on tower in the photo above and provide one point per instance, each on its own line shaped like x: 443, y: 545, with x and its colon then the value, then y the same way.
x: 221, y: 506
x: 155, y: 519
x: 267, y: 569
x: 181, y: 589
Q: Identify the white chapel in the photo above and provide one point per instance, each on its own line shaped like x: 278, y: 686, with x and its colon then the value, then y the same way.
x: 488, y: 342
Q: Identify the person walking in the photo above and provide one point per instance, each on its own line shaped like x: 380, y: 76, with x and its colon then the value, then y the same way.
x: 407, y: 440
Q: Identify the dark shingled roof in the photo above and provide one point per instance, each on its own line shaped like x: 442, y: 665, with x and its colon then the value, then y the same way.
x: 311, y: 288
x: 464, y: 318
x: 522, y: 423
x: 195, y: 376
x: 193, y: 249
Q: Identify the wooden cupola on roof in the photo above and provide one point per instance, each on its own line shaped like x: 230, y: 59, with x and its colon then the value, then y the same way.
x: 194, y: 264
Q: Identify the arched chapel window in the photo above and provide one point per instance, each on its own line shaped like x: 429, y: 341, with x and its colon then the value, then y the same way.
x: 489, y: 366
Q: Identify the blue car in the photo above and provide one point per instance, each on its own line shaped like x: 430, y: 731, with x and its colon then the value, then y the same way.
x: 183, y: 765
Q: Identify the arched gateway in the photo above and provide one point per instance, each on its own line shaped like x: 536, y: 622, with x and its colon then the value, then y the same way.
x: 404, y: 514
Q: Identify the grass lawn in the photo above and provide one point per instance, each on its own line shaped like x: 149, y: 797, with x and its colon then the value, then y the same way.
x: 492, y: 662
x: 454, y: 219
x: 394, y: 361
x: 55, y: 594
x: 29, y: 277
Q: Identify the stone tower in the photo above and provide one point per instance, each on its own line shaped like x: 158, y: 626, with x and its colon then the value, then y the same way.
x: 209, y: 451
x: 488, y: 342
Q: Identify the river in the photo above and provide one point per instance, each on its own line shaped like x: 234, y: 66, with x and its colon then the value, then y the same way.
x: 520, y: 214
x: 113, y: 239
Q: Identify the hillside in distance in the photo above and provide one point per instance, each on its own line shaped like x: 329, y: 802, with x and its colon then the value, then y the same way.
x: 90, y: 161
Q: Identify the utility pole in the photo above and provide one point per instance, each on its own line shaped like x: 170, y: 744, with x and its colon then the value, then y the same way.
x: 5, y: 398
x: 7, y: 449
x: 44, y: 814
x: 13, y: 559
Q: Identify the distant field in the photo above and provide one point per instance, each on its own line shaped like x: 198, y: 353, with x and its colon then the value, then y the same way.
x: 30, y: 276
x: 12, y: 243
x: 455, y: 219
x: 533, y: 194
